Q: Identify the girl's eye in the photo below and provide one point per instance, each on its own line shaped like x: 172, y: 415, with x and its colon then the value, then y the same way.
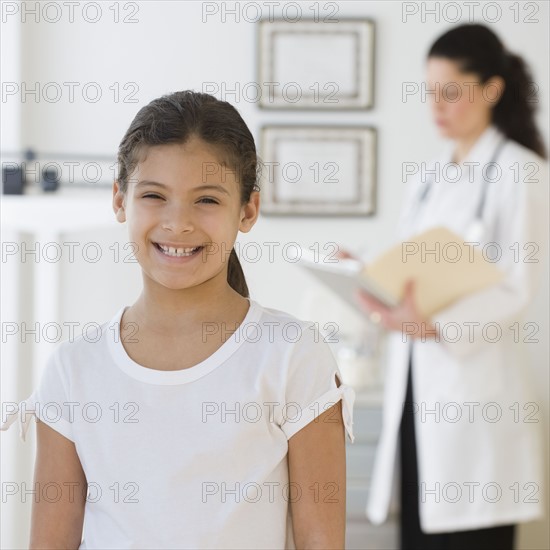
x: 209, y: 201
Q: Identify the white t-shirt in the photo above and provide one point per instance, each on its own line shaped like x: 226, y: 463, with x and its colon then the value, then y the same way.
x: 193, y: 458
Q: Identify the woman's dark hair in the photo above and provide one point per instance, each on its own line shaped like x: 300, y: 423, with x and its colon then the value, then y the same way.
x: 176, y: 118
x: 477, y: 49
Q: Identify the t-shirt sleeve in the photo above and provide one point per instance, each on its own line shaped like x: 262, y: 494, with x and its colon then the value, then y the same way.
x: 314, y: 384
x: 49, y: 402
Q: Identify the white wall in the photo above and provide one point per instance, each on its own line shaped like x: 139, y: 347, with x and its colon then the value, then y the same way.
x: 10, y: 48
x: 171, y: 48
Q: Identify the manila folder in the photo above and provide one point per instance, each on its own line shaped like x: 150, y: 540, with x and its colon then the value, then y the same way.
x: 444, y: 269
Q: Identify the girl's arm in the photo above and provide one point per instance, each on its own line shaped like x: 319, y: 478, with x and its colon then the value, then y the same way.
x: 317, y: 472
x: 61, y: 488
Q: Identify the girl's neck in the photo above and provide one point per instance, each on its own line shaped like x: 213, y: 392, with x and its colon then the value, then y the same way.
x: 168, y: 312
x: 464, y: 145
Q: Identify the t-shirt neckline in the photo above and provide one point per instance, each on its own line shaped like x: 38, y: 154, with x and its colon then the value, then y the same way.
x: 183, y: 376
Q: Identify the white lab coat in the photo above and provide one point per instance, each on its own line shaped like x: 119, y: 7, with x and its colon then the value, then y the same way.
x: 476, y: 470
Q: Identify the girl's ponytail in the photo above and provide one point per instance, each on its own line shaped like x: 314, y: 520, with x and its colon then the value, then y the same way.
x: 514, y: 113
x: 235, y: 275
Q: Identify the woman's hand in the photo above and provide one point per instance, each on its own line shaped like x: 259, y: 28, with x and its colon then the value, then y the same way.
x: 405, y: 317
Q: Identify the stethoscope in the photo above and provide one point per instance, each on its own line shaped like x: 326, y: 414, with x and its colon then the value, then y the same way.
x: 476, y: 229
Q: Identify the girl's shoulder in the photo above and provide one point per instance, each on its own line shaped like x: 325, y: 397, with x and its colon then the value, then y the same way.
x: 288, y: 333
x: 279, y: 317
x: 80, y: 348
x: 276, y: 313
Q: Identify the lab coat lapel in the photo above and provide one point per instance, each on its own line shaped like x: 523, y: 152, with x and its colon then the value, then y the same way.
x: 481, y: 154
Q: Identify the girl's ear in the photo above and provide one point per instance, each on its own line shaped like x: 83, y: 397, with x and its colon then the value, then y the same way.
x: 118, y: 203
x: 250, y: 212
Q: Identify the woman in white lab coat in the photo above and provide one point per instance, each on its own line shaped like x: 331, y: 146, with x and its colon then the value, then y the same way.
x: 459, y: 414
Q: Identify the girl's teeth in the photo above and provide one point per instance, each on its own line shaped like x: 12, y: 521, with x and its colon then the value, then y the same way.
x: 179, y: 252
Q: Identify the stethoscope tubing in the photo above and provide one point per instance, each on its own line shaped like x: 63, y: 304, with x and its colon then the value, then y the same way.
x: 481, y: 205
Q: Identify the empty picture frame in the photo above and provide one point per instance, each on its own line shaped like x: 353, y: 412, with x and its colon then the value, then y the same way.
x: 316, y: 65
x: 318, y: 170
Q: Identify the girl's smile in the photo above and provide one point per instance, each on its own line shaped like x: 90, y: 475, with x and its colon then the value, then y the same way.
x: 178, y: 253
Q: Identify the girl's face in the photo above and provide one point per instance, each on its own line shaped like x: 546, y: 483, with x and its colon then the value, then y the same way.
x: 461, y: 106
x: 179, y: 198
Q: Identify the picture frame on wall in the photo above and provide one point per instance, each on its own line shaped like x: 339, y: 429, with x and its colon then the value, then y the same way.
x: 313, y: 65
x: 318, y: 170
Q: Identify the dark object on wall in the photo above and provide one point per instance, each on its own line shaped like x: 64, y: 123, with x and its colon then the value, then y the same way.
x: 13, y: 179
x: 49, y: 179
x: 29, y: 171
x: 30, y: 154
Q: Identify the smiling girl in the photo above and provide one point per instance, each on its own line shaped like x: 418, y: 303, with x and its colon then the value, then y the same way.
x: 221, y: 422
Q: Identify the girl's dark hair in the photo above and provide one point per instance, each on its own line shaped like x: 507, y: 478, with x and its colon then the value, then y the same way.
x: 477, y: 49
x: 177, y: 117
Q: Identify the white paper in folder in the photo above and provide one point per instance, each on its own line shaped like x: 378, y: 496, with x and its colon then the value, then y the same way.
x: 443, y: 266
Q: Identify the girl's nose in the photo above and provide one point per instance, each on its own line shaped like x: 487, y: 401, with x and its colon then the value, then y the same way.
x: 179, y: 219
